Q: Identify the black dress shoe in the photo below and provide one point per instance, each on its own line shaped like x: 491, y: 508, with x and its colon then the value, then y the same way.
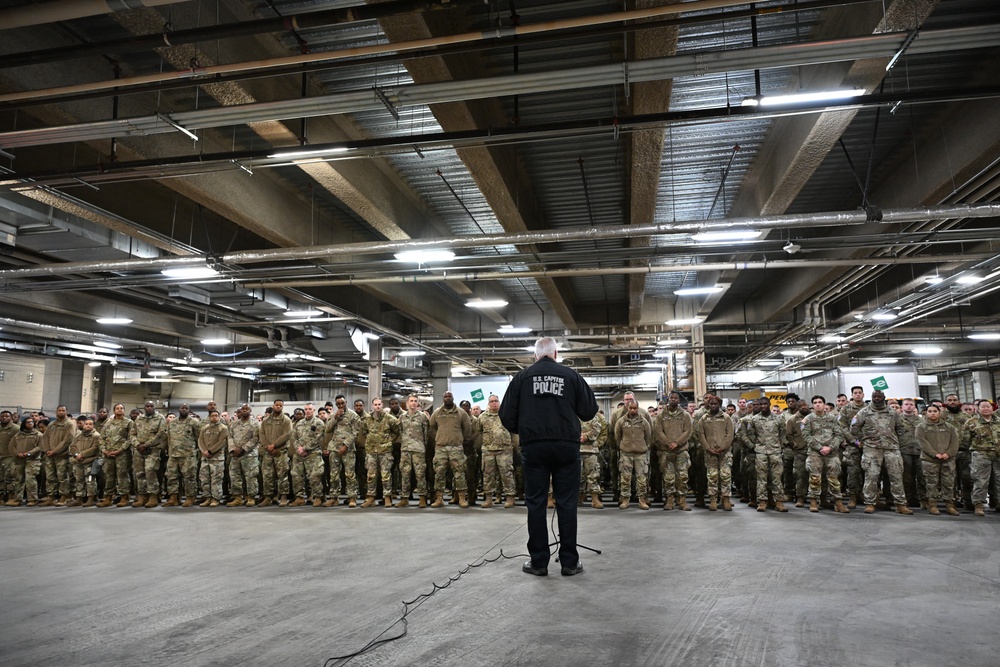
x: 537, y: 571
x: 570, y: 571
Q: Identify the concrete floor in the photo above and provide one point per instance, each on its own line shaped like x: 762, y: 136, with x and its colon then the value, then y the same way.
x: 295, y: 586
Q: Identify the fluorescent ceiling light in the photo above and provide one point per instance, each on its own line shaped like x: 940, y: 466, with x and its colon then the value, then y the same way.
x: 794, y: 353
x: 770, y: 362
x: 195, y: 360
x: 662, y: 353
x: 107, y: 345
x: 207, y: 379
x: 933, y: 280
x: 411, y: 353
x: 798, y: 98
x: 310, y: 153
x: 832, y: 339
x: 884, y: 316
x: 425, y: 256
x: 926, y: 349
x: 214, y: 341
x: 652, y: 365
x: 969, y: 280
x: 683, y: 322
x: 190, y: 272
x: 696, y: 291
x: 672, y: 342
x: 252, y: 370
x: 985, y: 335
x: 176, y: 360
x: 284, y: 356
x: 486, y: 303
x: 509, y: 329
x: 94, y: 364
x: 311, y: 357
x: 114, y: 320
x: 884, y: 360
x: 309, y: 312
x: 734, y: 235
x: 187, y: 369
x: 158, y: 374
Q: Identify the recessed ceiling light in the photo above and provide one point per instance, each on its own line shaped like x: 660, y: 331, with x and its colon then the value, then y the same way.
x: 697, y: 291
x: 113, y: 320
x: 107, y: 345
x: 425, y: 256
x: 883, y: 316
x: 508, y: 329
x: 412, y: 353
x: 985, y: 335
x: 308, y: 312
x: 683, y: 322
x: 190, y: 272
x: 215, y: 341
x: 486, y: 303
x: 883, y: 360
x: 926, y: 349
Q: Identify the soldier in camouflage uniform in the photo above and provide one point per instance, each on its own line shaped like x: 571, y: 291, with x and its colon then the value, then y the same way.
x: 853, y: 451
x: 799, y: 449
x: 743, y: 440
x: 244, y: 465
x: 633, y: 433
x: 378, y: 431
x: 824, y: 436
x: 982, y: 433
x: 212, y: 442
x: 957, y: 418
x: 340, y: 440
x: 274, y: 434
x: 83, y: 451
x: 713, y: 430
x: 498, y: 453
x: 58, y: 472
x: 8, y: 465
x: 590, y: 468
x: 182, y: 460
x: 938, y: 442
x: 307, y: 441
x: 414, y: 429
x: 150, y: 438
x: 116, y: 445
x: 450, y: 429
x: 603, y: 449
x: 879, y: 430
x: 671, y: 432
x: 768, y: 431
x: 28, y: 447
x: 909, y: 449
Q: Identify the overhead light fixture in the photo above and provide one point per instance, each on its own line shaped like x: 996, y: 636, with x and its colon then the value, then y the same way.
x: 985, y: 335
x: 336, y: 150
x: 926, y: 350
x: 770, y: 362
x: 969, y: 280
x: 371, y: 336
x: 187, y: 369
x: 697, y: 291
x: 831, y: 338
x: 195, y: 360
x: 175, y: 360
x: 802, y: 98
x: 311, y: 357
x: 107, y: 345
x: 486, y: 303
x: 662, y: 353
x: 509, y: 329
x: 286, y: 356
x: 412, y: 353
x: 214, y: 341
x: 652, y: 364
x: 933, y: 280
x: 92, y: 364
x: 113, y: 320
x: 794, y: 353
x: 733, y: 235
x: 884, y: 360
x: 250, y: 370
x: 683, y: 322
x: 190, y: 272
x: 672, y: 342
x: 425, y: 256
x: 309, y: 312
x: 207, y: 379
x: 884, y: 316
x: 158, y: 374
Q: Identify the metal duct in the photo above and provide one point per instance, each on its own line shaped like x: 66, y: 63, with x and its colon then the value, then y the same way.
x: 65, y: 10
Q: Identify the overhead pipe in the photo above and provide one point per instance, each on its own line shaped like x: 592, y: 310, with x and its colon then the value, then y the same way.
x: 40, y: 13
x: 833, y: 219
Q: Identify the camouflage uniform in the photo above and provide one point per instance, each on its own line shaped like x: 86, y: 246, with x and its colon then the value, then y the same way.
x: 342, y: 432
x: 8, y: 462
x: 182, y: 458
x: 852, y: 453
x: 378, y: 431
x: 633, y: 435
x: 88, y: 446
x: 150, y: 433
x: 274, y: 430
x: 413, y: 430
x: 796, y: 446
x: 449, y: 430
x: 909, y: 449
x: 604, y: 450
x: 308, y: 434
x: 498, y: 454
x: 938, y: 438
x: 716, y: 432
x: 769, y: 437
x: 590, y: 469
x: 243, y: 461
x: 743, y: 438
x: 983, y: 438
x: 119, y: 436
x: 963, y: 462
x: 26, y: 470
x: 879, y: 432
x: 58, y: 436
x: 820, y: 431
x: 673, y: 426
x: 213, y: 439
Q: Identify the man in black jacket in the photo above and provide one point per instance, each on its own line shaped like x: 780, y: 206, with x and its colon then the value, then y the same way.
x: 544, y: 405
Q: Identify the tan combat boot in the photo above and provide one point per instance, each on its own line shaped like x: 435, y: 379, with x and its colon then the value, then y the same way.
x: 869, y: 509
x: 932, y: 507
x: 123, y: 501
x: 173, y: 501
x: 140, y: 500
x: 153, y: 500
x: 489, y: 501
x: 317, y: 502
x: 251, y: 502
x: 623, y: 505
x: 72, y: 502
x: 668, y: 504
x: 510, y: 502
x: 643, y: 504
x: 800, y: 502
x: 713, y: 504
x: 422, y: 502
x: 727, y: 505
x: 762, y: 506
x: 369, y: 502
x: 387, y: 501
x: 332, y: 502
x: 237, y: 501
x: 552, y: 502
x: 214, y: 503
x: 781, y: 508
x: 299, y: 502
x: 49, y: 501
x: 403, y: 502
x: 352, y: 502
x: 951, y: 509
x: 284, y: 501
x: 839, y: 507
x: 266, y: 501
x: 463, y: 499
x: 206, y: 502
x: 188, y: 501
x: 814, y: 505
x: 595, y: 501
x: 106, y: 501
x: 90, y: 502
x: 852, y: 502
x: 979, y: 510
x: 903, y: 509
x: 438, y: 499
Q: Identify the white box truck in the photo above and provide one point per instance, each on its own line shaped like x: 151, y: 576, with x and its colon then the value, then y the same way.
x: 898, y: 381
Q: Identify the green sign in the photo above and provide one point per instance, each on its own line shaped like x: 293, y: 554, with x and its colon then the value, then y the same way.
x: 477, y: 395
x: 879, y: 383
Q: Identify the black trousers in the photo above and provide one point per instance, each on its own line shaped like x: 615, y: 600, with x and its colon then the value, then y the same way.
x: 560, y: 462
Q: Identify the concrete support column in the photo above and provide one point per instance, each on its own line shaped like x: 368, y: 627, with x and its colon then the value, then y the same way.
x: 440, y: 374
x: 982, y: 385
x: 104, y: 387
x: 374, y: 370
x: 63, y: 385
x: 698, y: 361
